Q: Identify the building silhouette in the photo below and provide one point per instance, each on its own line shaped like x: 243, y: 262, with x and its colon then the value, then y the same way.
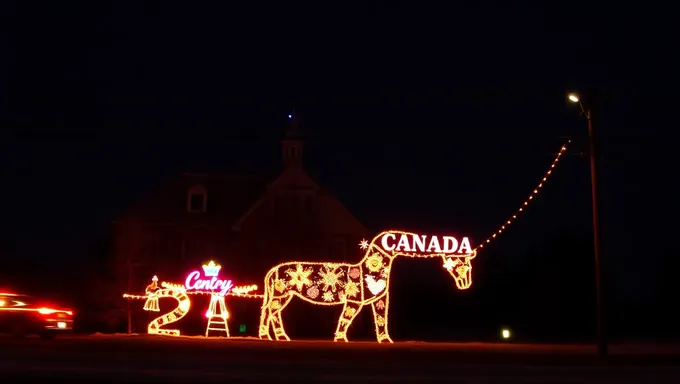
x: 244, y: 223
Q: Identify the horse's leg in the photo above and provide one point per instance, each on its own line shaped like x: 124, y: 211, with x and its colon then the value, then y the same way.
x: 265, y: 315
x: 349, y: 312
x: 264, y: 321
x: 277, y: 320
x: 380, y: 308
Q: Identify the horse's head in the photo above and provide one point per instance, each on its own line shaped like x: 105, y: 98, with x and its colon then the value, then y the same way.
x: 460, y: 268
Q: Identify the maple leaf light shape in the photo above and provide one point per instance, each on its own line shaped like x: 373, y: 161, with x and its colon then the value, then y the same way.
x: 299, y: 277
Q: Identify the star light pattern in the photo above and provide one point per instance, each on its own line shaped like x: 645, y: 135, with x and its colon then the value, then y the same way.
x: 364, y: 244
x: 353, y: 286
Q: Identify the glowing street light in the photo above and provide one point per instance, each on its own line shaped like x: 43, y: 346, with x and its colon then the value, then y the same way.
x: 505, y: 333
x: 602, y: 345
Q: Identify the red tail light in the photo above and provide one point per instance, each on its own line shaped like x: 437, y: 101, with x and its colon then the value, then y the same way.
x: 50, y: 311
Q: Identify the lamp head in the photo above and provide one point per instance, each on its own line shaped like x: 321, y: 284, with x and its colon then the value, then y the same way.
x: 573, y: 98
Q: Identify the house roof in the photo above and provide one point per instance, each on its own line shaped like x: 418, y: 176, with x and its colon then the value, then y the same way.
x: 281, y: 178
x: 228, y: 198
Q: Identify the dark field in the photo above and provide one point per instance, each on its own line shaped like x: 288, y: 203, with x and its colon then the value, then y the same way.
x: 200, y: 360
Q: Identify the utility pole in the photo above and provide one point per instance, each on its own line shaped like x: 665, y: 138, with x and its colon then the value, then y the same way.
x: 602, y: 339
x: 129, y: 289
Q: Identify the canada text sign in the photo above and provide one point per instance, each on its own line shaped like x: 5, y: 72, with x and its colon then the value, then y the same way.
x: 425, y: 244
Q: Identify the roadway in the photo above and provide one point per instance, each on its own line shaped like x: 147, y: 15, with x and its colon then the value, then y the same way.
x: 122, y: 358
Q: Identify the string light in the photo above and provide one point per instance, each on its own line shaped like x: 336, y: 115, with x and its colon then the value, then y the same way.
x: 529, y: 199
x: 234, y: 294
x: 244, y: 290
x: 351, y: 285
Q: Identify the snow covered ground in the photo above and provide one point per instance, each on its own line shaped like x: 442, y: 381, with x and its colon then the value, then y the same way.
x: 122, y: 358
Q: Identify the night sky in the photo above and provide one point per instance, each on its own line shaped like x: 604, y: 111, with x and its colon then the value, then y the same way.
x: 420, y: 117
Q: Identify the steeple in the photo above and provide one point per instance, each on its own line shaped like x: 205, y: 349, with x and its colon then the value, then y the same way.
x: 291, y: 144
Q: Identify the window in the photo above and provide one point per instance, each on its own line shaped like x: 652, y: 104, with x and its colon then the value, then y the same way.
x: 292, y: 152
x: 297, y: 204
x: 309, y: 207
x: 196, y: 199
x: 196, y: 202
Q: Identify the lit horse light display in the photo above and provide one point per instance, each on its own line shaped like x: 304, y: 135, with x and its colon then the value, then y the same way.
x: 357, y: 285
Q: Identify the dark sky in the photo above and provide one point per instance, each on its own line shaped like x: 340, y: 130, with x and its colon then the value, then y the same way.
x: 422, y: 116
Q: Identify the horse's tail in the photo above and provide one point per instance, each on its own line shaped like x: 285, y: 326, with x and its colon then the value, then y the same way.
x: 267, y: 286
x: 265, y: 311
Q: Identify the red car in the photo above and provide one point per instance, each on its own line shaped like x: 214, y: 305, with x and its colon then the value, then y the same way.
x: 23, y: 315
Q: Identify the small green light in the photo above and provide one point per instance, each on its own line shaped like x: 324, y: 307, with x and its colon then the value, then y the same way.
x: 242, y: 328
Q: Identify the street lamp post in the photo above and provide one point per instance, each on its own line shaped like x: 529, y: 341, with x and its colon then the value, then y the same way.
x: 602, y: 344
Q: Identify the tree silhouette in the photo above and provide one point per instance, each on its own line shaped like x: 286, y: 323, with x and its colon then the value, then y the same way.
x: 666, y: 317
x: 102, y: 307
x: 558, y: 301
